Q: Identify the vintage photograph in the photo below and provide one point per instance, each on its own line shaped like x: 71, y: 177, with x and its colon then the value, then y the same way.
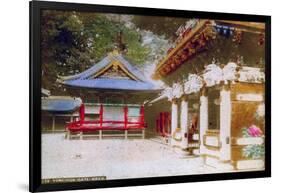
x: 134, y: 96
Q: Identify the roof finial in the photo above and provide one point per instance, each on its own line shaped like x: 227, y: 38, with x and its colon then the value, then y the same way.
x: 115, y: 52
x: 119, y: 44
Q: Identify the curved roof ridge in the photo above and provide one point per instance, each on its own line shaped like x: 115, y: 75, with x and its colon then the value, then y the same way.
x: 94, y: 68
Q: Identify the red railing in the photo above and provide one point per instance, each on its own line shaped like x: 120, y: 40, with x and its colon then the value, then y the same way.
x: 101, y: 124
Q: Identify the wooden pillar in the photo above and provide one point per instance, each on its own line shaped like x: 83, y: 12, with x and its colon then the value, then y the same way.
x: 100, y: 134
x: 203, y: 119
x: 82, y: 112
x: 53, y: 123
x: 126, y: 121
x: 174, y: 121
x: 125, y: 116
x: 184, y: 122
x: 101, y: 115
x: 225, y: 124
x: 126, y: 134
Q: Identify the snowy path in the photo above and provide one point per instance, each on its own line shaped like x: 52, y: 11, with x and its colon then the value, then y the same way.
x: 114, y: 158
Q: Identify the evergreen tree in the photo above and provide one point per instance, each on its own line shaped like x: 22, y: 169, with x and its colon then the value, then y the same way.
x: 71, y: 42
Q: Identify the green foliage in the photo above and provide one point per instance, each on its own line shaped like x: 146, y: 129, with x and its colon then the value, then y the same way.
x: 102, y: 36
x: 63, y: 46
x: 245, y: 132
x: 254, y: 151
x: 166, y: 26
x: 135, y: 51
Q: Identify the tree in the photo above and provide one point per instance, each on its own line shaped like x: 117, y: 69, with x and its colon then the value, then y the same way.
x: 63, y: 46
x: 71, y: 41
x: 166, y: 26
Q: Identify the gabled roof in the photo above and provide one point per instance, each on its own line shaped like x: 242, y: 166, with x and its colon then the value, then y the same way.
x: 99, y: 77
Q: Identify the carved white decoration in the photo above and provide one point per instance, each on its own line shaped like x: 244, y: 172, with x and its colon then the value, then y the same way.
x: 177, y: 90
x: 250, y: 141
x: 168, y: 92
x: 229, y: 72
x: 213, y: 75
x: 249, y: 97
x: 193, y: 84
x: 251, y: 74
x: 188, y: 25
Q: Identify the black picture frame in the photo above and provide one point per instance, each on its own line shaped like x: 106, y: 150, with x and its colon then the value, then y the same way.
x: 35, y: 96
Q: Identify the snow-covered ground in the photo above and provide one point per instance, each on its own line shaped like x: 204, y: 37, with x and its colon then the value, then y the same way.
x: 114, y: 158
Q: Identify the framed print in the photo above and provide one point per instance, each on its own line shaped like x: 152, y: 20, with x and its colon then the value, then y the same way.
x: 125, y: 96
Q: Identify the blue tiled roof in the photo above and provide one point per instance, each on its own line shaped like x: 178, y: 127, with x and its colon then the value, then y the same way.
x: 84, y: 79
x: 60, y: 105
x: 119, y: 84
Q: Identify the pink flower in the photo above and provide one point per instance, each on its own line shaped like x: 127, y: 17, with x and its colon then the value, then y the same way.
x: 254, y: 131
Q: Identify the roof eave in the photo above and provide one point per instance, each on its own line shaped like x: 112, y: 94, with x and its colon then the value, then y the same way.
x: 199, y: 27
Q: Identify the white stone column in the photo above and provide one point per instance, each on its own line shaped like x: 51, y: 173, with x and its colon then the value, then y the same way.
x: 225, y: 124
x: 184, y: 122
x: 174, y: 120
x: 203, y: 121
